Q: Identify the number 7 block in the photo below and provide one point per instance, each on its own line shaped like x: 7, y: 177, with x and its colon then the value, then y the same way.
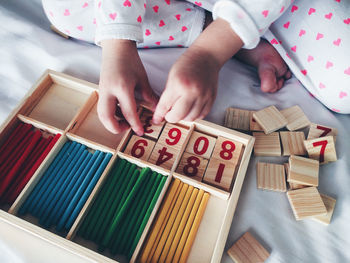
x: 321, y: 149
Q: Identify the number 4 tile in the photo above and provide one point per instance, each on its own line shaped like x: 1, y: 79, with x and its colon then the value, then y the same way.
x: 163, y: 156
x: 139, y: 147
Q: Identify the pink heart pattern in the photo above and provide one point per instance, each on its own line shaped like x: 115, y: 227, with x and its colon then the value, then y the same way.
x: 139, y: 19
x: 113, y: 15
x: 342, y: 94
x: 329, y: 64
x: 311, y: 10
x: 294, y: 8
x: 147, y: 32
x: 328, y: 16
x: 178, y: 16
x: 286, y: 25
x: 161, y: 23
x: 319, y: 36
x: 265, y: 13
x: 310, y: 58
x: 337, y: 42
x: 294, y: 48
x: 156, y: 8
x: 274, y: 41
x: 302, y: 32
x: 347, y: 71
x: 171, y: 38
x: 127, y: 3
x: 321, y: 86
x: 66, y: 12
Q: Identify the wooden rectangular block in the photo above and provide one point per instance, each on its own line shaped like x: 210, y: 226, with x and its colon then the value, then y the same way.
x: 267, y: 144
x: 270, y: 119
x: 139, y: 147
x: 248, y: 250
x: 237, y: 119
x: 271, y: 177
x: 227, y: 150
x: 220, y: 173
x: 321, y: 149
x: 163, y: 156
x: 292, y: 186
x: 329, y: 203
x: 303, y: 171
x: 253, y: 125
x: 306, y: 203
x: 317, y: 131
x: 192, y: 166
x: 296, y: 118
x: 201, y: 144
x: 150, y: 129
x: 293, y: 143
x: 173, y: 136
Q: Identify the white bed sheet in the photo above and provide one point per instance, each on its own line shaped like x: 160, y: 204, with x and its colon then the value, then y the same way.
x: 28, y: 47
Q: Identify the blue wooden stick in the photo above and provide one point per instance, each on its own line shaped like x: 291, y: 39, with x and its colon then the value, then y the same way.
x: 85, y: 178
x: 88, y: 191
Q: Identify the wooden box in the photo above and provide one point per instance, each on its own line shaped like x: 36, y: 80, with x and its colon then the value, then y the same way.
x: 59, y: 103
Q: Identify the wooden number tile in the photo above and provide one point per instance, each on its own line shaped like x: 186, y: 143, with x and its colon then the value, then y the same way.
x: 139, y: 147
x: 227, y: 150
x: 248, y: 250
x: 270, y: 119
x: 150, y: 129
x: 163, y: 156
x: 296, y: 118
x: 329, y: 203
x: 317, y: 131
x: 306, y: 203
x: 253, y: 125
x: 267, y: 144
x: 292, y: 186
x: 321, y: 149
x: 173, y: 136
x: 271, y: 177
x: 303, y: 171
x: 237, y: 119
x: 293, y: 143
x: 201, y: 144
x: 192, y: 166
x: 220, y: 173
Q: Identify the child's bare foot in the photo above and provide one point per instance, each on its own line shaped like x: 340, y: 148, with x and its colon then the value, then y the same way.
x: 271, y: 68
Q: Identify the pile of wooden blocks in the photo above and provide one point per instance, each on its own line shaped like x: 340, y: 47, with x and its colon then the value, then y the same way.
x: 302, y: 173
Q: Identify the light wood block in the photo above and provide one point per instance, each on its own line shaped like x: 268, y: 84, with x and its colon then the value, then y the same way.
x: 321, y: 149
x: 220, y: 174
x: 173, y: 136
x: 306, y: 203
x: 227, y: 150
x: 293, y: 143
x: 201, y: 144
x: 303, y: 171
x: 270, y: 119
x: 150, y: 129
x: 292, y: 186
x: 271, y: 177
x: 317, y: 131
x: 253, y: 125
x: 296, y: 118
x: 267, y: 144
x: 192, y: 166
x: 329, y: 203
x: 237, y: 119
x: 163, y: 156
x: 139, y: 147
x: 248, y: 250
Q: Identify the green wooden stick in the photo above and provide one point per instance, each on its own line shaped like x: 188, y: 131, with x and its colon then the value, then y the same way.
x: 119, y: 215
x: 146, y: 217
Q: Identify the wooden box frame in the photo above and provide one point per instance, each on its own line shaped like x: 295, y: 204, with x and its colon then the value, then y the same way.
x: 212, y: 234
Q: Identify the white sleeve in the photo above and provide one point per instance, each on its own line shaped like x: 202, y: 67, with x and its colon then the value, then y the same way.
x: 249, y: 19
x: 119, y: 19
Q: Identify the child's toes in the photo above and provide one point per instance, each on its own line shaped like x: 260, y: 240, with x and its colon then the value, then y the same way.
x: 268, y: 79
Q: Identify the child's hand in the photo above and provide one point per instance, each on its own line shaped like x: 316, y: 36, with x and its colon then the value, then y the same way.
x: 122, y: 71
x: 191, y: 88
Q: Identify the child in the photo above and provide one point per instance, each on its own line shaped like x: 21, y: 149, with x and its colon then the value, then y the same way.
x: 119, y: 27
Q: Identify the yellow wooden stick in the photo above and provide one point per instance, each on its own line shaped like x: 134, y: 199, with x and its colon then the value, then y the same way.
x: 176, y: 224
x: 169, y: 224
x: 188, y: 226
x: 194, y: 228
x: 181, y: 226
x: 164, y: 209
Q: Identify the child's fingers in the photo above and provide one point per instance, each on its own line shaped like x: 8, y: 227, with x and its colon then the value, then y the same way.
x: 128, y: 105
x: 148, y: 94
x: 105, y: 109
x: 165, y: 103
x: 206, y: 109
x: 179, y: 110
x: 196, y: 110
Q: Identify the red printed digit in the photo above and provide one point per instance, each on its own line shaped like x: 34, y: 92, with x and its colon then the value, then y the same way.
x: 323, y: 145
x: 147, y: 125
x: 204, y: 147
x: 324, y: 129
x: 138, y: 149
x: 175, y: 135
x: 164, y: 156
x: 219, y: 173
x: 226, y: 152
x: 192, y: 162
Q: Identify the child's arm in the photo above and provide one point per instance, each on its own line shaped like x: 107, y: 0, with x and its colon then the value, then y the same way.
x: 192, y: 83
